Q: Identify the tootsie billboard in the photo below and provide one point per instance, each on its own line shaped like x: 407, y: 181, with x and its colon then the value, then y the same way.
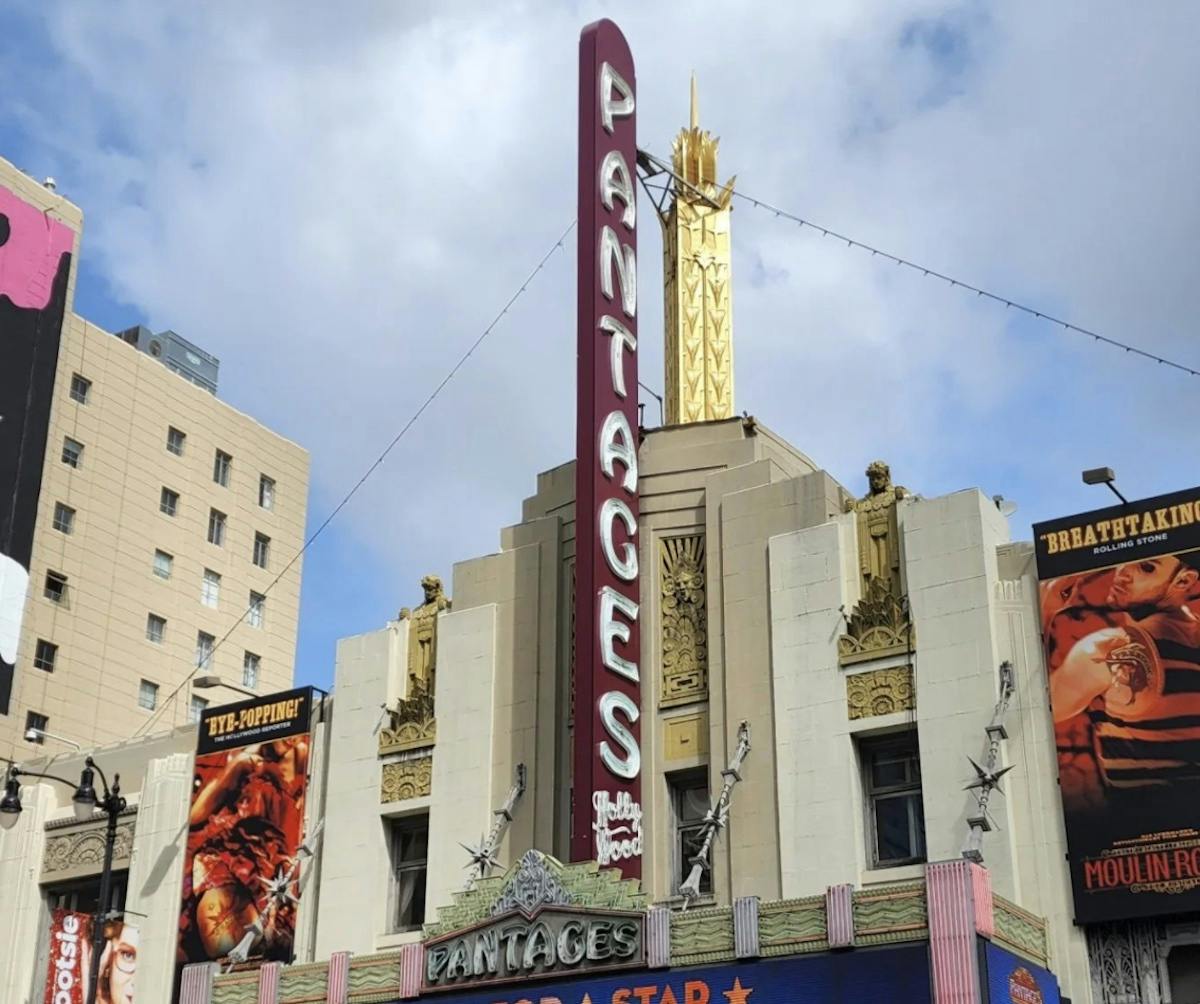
x: 1120, y: 605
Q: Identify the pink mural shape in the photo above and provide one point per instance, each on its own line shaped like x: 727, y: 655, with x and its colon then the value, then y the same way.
x: 31, y: 245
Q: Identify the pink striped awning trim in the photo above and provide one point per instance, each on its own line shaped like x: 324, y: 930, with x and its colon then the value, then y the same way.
x: 950, y: 888
x: 339, y: 978
x: 839, y: 915
x: 412, y: 961
x: 268, y: 983
x: 196, y: 985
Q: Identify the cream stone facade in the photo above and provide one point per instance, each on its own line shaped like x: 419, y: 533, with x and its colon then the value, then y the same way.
x: 127, y: 561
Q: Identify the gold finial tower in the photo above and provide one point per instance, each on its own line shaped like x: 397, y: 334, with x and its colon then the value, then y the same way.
x: 698, y: 286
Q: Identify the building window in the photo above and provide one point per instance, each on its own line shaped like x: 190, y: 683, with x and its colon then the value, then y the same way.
x: 216, y: 527
x: 262, y: 549
x: 156, y: 628
x: 266, y: 492
x: 35, y: 727
x: 56, y: 587
x: 148, y: 695
x: 83, y: 895
x: 163, y: 563
x: 250, y: 665
x: 410, y: 855
x: 196, y: 708
x: 80, y: 386
x: 222, y: 465
x: 175, y: 440
x: 204, y: 648
x: 892, y: 782
x: 44, y: 655
x: 258, y: 609
x: 689, y: 805
x: 64, y: 518
x: 72, y: 454
x: 210, y: 588
x: 168, y: 502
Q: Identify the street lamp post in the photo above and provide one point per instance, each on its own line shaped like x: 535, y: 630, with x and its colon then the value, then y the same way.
x: 85, y: 803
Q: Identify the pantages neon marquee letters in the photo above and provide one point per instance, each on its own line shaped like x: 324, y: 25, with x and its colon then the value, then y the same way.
x: 606, y: 814
x: 552, y: 942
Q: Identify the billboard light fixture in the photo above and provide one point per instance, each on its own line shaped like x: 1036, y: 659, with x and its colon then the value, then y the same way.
x: 1104, y: 476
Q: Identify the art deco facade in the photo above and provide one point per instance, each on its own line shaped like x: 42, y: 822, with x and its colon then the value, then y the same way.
x: 164, y: 515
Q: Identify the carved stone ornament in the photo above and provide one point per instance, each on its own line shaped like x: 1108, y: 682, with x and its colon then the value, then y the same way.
x: 531, y: 885
x: 684, y: 617
x: 880, y: 624
x: 79, y: 851
x: 879, y: 692
x: 406, y: 779
x: 412, y: 725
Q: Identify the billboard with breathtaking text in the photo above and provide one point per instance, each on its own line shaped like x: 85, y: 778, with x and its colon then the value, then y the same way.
x: 35, y: 264
x: 70, y: 960
x: 245, y: 829
x: 606, y: 811
x: 1120, y: 606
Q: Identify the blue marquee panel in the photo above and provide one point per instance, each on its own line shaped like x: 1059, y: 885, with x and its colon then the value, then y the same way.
x: 1011, y: 980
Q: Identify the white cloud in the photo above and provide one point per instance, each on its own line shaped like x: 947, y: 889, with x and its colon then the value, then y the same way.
x: 337, y: 203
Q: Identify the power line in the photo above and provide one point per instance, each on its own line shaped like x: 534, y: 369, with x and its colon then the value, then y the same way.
x: 977, y: 290
x: 369, y: 471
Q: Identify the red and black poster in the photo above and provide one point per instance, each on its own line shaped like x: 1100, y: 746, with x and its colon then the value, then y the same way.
x: 70, y: 964
x: 35, y: 263
x: 1120, y: 604
x: 241, y: 867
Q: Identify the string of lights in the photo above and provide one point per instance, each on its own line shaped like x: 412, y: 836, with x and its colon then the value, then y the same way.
x: 977, y: 290
x: 366, y: 474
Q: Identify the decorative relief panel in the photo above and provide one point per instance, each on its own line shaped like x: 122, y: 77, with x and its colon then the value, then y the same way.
x: 879, y: 692
x: 684, y: 617
x: 411, y: 725
x: 406, y: 779
x: 685, y: 736
x: 79, y: 851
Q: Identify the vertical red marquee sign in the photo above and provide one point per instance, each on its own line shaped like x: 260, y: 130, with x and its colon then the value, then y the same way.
x: 606, y: 820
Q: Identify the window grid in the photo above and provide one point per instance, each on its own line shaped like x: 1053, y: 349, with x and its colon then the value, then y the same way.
x: 175, y: 440
x: 80, y: 386
x: 257, y: 609
x: 210, y: 588
x: 44, y: 655
x: 148, y: 695
x: 892, y: 783
x: 38, y: 722
x: 168, y: 502
x: 216, y: 527
x: 266, y: 492
x: 196, y: 708
x: 64, y: 518
x: 689, y: 801
x: 222, y: 465
x: 56, y: 587
x: 72, y: 452
x: 410, y: 858
x: 250, y: 667
x: 163, y: 564
x: 204, y: 648
x: 262, y: 549
x: 156, y: 628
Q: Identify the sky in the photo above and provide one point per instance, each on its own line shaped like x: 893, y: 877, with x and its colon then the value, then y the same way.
x: 337, y: 199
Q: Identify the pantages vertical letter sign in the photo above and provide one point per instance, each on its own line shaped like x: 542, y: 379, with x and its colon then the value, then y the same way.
x: 606, y: 819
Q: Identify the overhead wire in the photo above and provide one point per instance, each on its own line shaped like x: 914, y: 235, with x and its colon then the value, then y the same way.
x: 366, y: 474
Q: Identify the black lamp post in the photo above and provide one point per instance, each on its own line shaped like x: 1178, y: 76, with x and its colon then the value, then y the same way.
x: 85, y: 803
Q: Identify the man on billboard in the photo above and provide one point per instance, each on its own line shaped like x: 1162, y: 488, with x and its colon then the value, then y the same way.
x: 1135, y: 671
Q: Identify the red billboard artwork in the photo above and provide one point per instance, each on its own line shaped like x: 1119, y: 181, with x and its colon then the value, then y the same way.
x: 70, y: 962
x: 606, y: 815
x: 1120, y: 604
x: 240, y: 883
x: 35, y: 264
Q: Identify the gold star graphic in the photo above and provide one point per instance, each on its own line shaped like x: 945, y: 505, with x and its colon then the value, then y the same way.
x: 739, y: 993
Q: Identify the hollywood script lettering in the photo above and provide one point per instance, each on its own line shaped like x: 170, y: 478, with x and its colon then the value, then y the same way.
x: 617, y: 826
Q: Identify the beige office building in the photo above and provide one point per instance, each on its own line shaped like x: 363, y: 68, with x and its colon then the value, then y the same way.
x: 163, y: 519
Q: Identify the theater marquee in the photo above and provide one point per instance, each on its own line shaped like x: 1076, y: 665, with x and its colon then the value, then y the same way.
x: 606, y: 816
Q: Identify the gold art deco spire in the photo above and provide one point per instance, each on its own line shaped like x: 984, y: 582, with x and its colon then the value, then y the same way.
x: 698, y: 287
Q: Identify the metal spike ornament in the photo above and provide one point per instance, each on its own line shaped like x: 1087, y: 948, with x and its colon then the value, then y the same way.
x: 485, y: 854
x: 716, y: 818
x: 987, y: 776
x: 277, y: 893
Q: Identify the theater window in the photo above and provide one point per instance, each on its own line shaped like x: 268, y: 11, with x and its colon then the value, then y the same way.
x: 689, y: 805
x: 892, y: 785
x: 410, y: 855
